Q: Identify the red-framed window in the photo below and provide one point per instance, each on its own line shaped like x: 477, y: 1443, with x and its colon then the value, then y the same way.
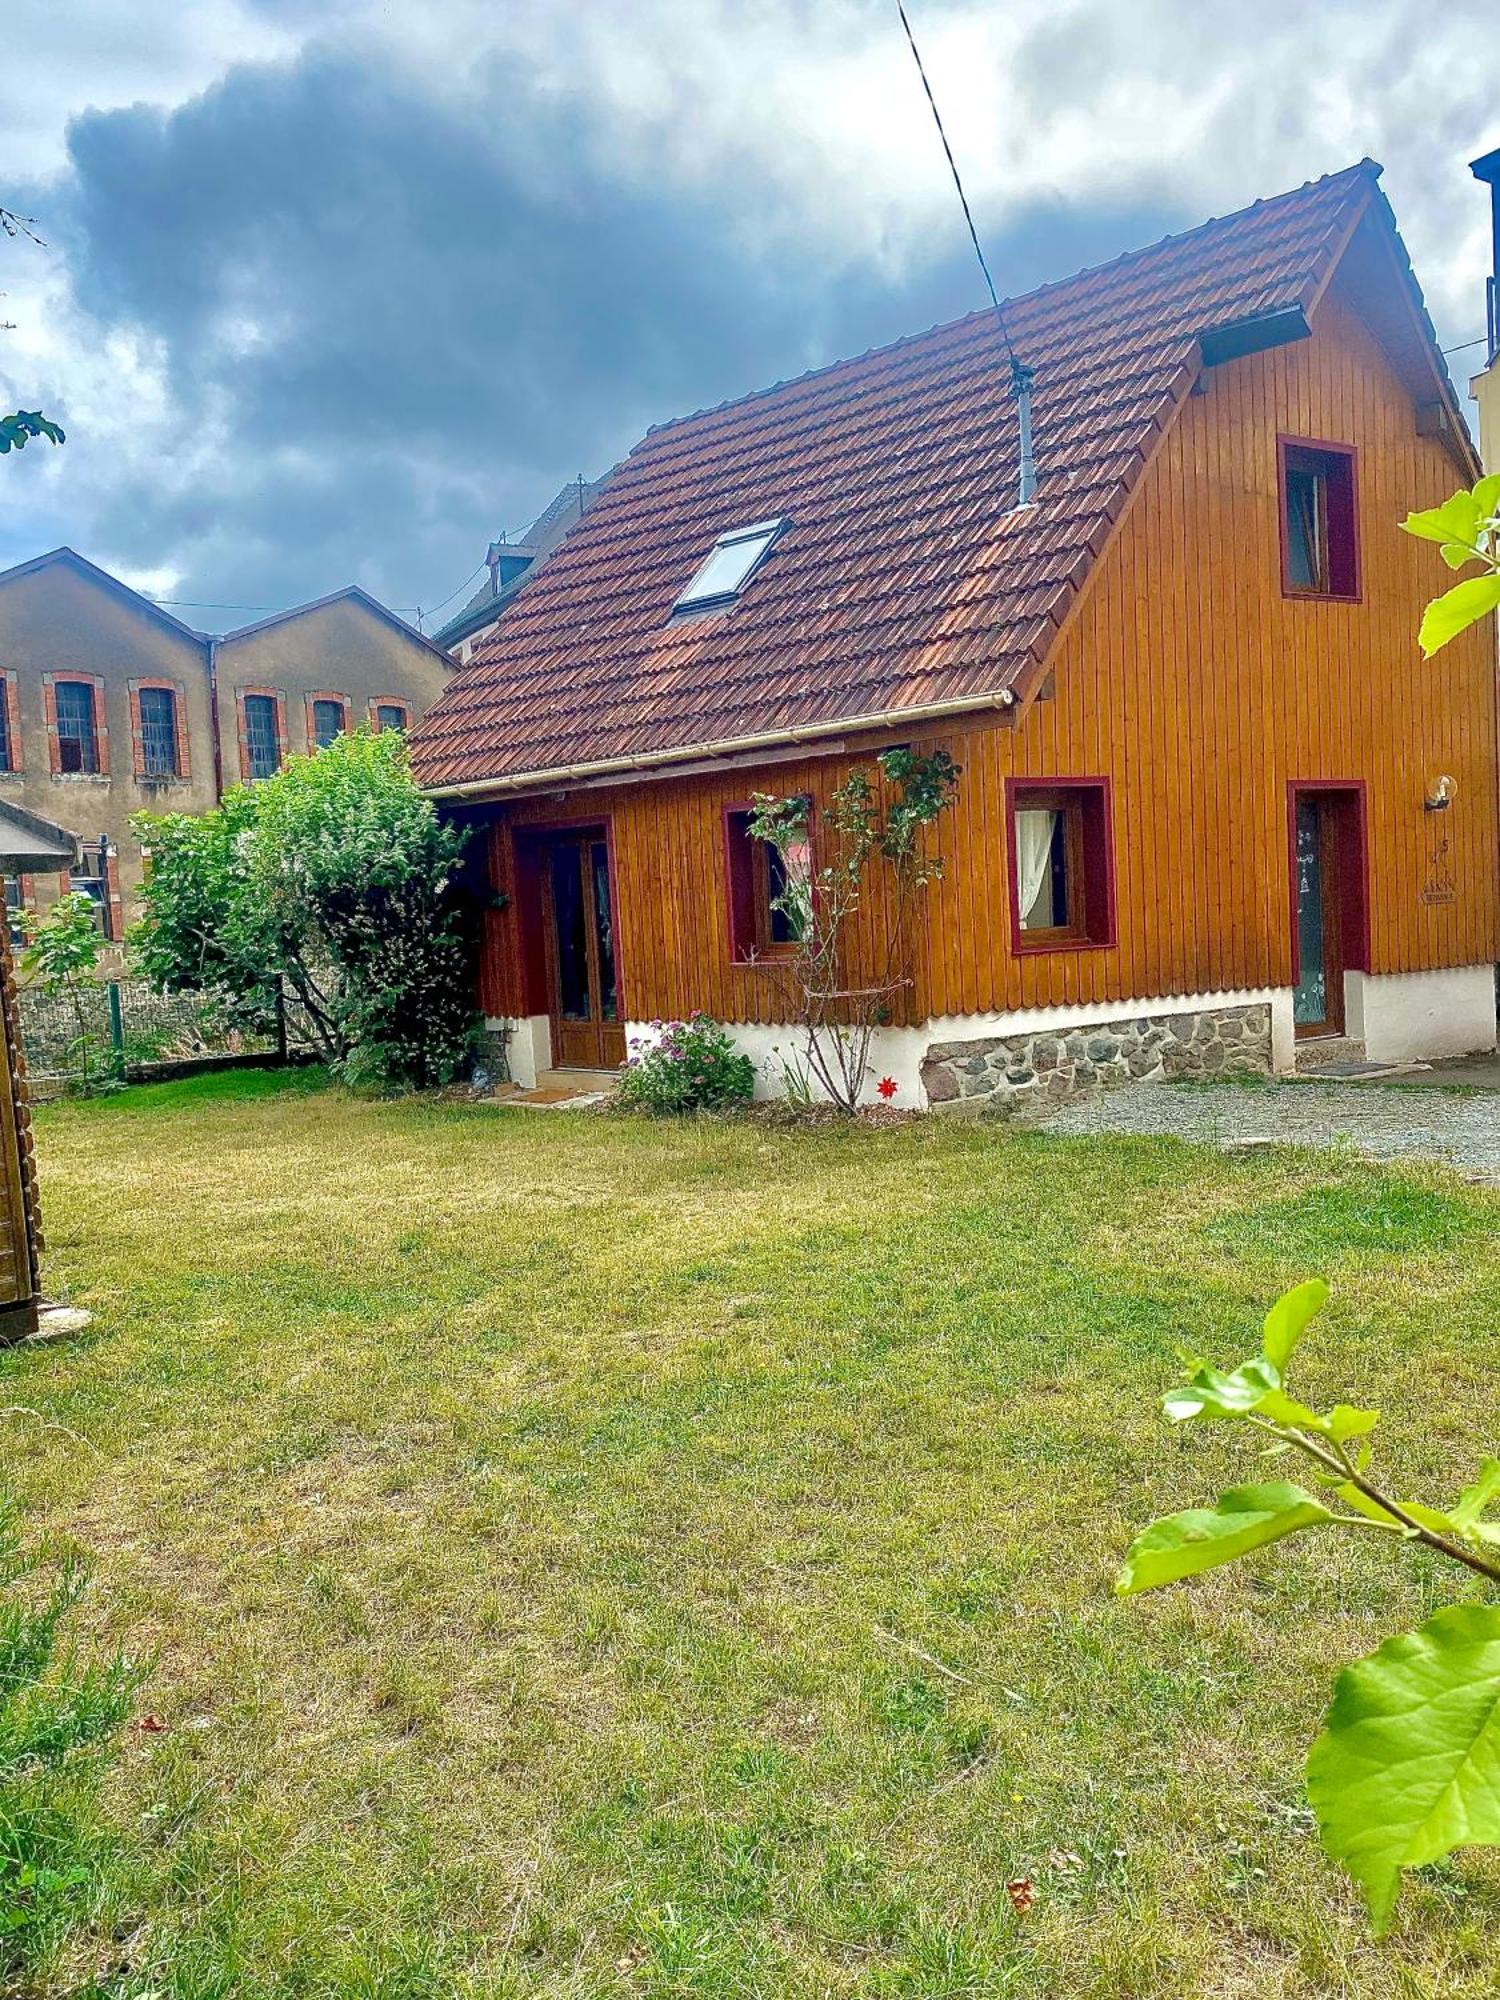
x: 1061, y: 854
x: 158, y: 729
x: 262, y: 718
x: 1318, y: 498
x: 77, y: 729
x: 769, y: 893
x: 389, y: 711
x: 327, y: 717
x: 10, y: 723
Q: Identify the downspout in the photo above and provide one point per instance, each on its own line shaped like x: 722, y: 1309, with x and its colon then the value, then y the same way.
x: 1487, y: 169
x: 213, y: 716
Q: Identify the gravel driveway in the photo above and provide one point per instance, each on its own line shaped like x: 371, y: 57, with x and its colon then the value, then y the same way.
x: 1383, y: 1120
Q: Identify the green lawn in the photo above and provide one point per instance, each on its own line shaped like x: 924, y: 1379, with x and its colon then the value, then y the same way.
x: 595, y: 1558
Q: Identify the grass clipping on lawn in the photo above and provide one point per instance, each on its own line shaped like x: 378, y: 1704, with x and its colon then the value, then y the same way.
x: 590, y: 1556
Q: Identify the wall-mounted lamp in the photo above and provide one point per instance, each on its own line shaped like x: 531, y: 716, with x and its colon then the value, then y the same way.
x: 1441, y: 793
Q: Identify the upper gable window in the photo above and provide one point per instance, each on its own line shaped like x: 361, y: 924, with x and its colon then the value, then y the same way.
x: 728, y: 567
x: 1319, y: 524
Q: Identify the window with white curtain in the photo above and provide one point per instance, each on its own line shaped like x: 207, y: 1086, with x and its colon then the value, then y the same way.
x: 1061, y: 889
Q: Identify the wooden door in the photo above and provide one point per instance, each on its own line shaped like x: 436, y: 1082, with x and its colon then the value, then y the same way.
x: 583, y: 985
x: 1319, y: 863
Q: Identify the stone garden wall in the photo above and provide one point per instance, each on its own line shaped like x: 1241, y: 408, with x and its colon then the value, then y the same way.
x: 1036, y: 1072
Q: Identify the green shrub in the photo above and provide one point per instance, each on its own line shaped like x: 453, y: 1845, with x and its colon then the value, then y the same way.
x: 691, y: 1066
x: 60, y: 1719
x: 334, y: 884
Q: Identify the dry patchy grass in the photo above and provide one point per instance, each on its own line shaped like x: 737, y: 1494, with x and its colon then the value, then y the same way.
x: 595, y: 1558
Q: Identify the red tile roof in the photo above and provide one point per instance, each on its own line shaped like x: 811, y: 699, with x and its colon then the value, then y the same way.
x: 906, y: 577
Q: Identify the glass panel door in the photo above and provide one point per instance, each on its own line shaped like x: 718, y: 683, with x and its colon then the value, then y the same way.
x: 570, y: 936
x: 1318, y: 998
x: 604, y: 935
x: 587, y: 1032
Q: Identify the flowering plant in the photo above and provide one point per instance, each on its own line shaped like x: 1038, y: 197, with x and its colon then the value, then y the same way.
x: 689, y: 1066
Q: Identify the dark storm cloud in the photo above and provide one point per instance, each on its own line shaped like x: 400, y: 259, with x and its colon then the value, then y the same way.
x: 412, y: 319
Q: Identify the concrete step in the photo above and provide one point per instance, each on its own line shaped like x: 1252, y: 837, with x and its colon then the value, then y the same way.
x: 1341, y: 1059
x: 1326, y: 1052
x: 563, y: 1090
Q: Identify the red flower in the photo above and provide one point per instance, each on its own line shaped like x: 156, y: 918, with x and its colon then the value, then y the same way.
x: 888, y: 1087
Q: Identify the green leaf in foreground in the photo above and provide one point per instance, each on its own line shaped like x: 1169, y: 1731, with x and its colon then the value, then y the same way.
x: 1464, y: 605
x: 1472, y: 1502
x: 1246, y: 1518
x: 1407, y: 1767
x: 1212, y: 1393
x: 1287, y: 1320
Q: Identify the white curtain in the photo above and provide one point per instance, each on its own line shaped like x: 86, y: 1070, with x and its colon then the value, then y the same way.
x: 1035, y: 827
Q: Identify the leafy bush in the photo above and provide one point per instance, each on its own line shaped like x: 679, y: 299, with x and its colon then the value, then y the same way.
x: 336, y: 882
x: 59, y: 1723
x: 693, y: 1066
x: 1407, y: 1766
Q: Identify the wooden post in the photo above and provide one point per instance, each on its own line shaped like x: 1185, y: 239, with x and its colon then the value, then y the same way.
x: 20, y: 1227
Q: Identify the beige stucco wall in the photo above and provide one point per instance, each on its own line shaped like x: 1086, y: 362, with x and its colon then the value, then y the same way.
x: 60, y: 621
x: 1485, y: 390
x: 340, y: 648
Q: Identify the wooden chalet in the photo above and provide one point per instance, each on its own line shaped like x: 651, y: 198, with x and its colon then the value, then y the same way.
x: 1212, y: 800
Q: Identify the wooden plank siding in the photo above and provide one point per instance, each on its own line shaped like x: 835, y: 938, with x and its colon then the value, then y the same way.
x: 1188, y: 680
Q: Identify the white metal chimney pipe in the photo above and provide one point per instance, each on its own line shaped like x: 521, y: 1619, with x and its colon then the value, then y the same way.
x: 1021, y: 379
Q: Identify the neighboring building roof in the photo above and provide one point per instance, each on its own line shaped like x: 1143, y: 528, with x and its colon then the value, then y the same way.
x: 557, y: 519
x: 33, y: 845
x: 907, y: 581
x: 70, y: 559
x: 351, y: 593
x: 138, y: 600
x: 485, y: 608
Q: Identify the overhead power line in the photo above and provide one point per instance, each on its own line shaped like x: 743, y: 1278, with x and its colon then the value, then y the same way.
x: 198, y: 604
x: 1021, y: 377
x: 431, y: 610
x: 937, y: 118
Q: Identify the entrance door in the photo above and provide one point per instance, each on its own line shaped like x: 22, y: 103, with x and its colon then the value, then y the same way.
x: 583, y: 996
x: 1328, y: 897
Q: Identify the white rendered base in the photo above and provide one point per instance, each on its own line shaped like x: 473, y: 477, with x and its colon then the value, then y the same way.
x: 1421, y: 1016
x: 898, y: 1053
x: 528, y: 1047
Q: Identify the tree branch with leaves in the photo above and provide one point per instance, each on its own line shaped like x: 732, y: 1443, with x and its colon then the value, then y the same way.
x: 1466, y: 529
x: 23, y: 425
x: 1407, y: 1766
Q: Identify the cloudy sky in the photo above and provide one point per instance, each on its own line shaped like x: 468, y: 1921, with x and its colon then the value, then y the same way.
x: 336, y: 290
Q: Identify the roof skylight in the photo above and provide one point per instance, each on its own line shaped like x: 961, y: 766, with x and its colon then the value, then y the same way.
x: 728, y: 567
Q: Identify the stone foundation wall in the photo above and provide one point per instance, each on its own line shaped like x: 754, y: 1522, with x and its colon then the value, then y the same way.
x: 1036, y: 1072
